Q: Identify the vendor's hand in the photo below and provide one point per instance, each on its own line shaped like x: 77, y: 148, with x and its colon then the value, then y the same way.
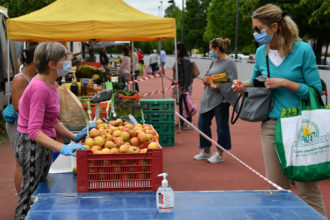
x: 82, y: 133
x: 237, y: 86
x: 207, y: 80
x: 70, y: 150
x: 274, y: 83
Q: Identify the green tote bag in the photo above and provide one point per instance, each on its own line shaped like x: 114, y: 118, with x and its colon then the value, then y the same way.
x: 302, y: 139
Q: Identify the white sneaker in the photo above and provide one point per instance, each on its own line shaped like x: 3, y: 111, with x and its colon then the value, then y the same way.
x: 203, y: 156
x: 216, y: 158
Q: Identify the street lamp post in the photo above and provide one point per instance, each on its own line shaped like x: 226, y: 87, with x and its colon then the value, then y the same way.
x: 236, y: 34
x: 172, y: 1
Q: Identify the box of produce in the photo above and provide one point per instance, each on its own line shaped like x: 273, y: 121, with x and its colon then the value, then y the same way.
x: 127, y: 103
x: 120, y: 157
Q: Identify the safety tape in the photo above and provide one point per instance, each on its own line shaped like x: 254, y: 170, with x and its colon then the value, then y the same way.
x: 232, y: 155
x: 158, y: 74
x: 159, y: 91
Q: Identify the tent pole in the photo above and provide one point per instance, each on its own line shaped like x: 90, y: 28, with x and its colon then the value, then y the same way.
x: 177, y: 78
x: 161, y: 66
x: 8, y: 71
x: 133, y: 66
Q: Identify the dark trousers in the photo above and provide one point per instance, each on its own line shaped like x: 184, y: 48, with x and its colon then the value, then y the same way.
x: 154, y: 68
x: 135, y: 78
x: 221, y: 113
x: 182, y: 100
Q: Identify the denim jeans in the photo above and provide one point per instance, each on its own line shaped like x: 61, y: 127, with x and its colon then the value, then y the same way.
x: 221, y: 113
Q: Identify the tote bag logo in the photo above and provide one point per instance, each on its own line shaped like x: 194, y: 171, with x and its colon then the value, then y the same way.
x: 309, y: 134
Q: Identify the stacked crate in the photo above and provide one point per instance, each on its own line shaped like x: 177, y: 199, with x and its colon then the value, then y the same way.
x: 160, y: 113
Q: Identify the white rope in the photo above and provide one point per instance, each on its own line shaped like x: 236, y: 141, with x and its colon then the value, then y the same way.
x: 232, y: 155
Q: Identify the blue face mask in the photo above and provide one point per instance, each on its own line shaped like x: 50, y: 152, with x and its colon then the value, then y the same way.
x: 262, y: 38
x: 212, y: 54
x: 67, y: 65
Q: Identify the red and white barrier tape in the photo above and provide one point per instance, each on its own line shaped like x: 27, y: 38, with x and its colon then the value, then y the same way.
x: 145, y: 78
x: 159, y: 91
x: 232, y: 155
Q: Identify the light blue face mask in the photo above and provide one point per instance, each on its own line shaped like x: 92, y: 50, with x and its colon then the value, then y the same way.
x: 212, y: 54
x: 262, y: 38
x: 66, y: 68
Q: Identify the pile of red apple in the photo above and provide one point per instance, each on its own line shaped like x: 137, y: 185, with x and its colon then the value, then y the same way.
x: 121, y: 137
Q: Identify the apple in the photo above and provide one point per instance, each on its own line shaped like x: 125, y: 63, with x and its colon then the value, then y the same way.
x: 147, y: 127
x: 105, y: 151
x: 129, y: 126
x: 102, y: 131
x: 87, y: 147
x: 115, y: 139
x: 98, y: 122
x: 133, y: 133
x: 150, y: 137
x: 95, y: 148
x: 135, y: 141
x: 125, y: 135
x: 98, y: 152
x: 116, y: 133
x: 94, y: 132
x: 109, y: 144
x: 120, y: 122
x: 142, y: 137
x: 133, y: 150
x: 119, y: 143
x: 89, y: 142
x: 153, y: 145
x: 108, y: 137
x: 144, y: 150
x: 125, y: 129
x: 99, y: 141
x: 114, y: 151
x: 124, y: 148
x: 153, y: 132
x: 114, y: 123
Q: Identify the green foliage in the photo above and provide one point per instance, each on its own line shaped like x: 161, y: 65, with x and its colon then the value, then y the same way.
x: 195, y: 21
x: 17, y: 8
x: 4, y: 3
x: 221, y: 20
x: 174, y: 12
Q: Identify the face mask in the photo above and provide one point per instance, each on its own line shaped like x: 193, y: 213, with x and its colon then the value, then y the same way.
x: 262, y: 38
x: 212, y: 54
x: 67, y: 65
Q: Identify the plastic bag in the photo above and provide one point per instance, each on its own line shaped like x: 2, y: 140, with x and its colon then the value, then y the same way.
x: 9, y: 114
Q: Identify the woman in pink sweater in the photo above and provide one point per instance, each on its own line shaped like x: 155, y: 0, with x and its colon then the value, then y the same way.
x: 38, y: 123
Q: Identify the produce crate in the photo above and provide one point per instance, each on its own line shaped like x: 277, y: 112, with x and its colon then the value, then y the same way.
x: 166, y: 140
x: 157, y: 117
x: 166, y: 129
x: 119, y: 172
x: 149, y: 105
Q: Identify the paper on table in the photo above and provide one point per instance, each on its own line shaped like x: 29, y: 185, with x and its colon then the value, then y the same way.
x: 63, y: 164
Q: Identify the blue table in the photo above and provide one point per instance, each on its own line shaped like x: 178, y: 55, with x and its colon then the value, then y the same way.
x: 57, y: 199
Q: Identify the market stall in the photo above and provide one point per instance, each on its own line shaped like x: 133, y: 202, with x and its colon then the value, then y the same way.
x: 102, y: 20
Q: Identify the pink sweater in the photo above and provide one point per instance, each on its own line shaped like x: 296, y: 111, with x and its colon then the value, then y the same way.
x: 39, y: 108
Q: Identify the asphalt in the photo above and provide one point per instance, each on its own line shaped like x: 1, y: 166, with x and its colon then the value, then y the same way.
x: 185, y: 174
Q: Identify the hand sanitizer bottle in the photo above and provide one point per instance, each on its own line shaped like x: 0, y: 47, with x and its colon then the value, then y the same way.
x: 165, y: 196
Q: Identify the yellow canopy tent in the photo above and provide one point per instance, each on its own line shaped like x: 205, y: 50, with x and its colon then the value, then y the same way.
x: 86, y: 20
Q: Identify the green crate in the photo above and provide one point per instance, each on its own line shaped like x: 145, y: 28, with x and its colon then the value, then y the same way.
x: 165, y: 129
x: 157, y: 117
x: 157, y: 104
x: 166, y: 140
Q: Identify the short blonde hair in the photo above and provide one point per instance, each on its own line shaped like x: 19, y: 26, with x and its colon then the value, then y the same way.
x: 220, y: 43
x: 287, y: 31
x: 48, y: 51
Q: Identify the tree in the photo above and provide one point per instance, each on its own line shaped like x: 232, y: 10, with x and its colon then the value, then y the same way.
x: 4, y: 3
x: 221, y: 20
x: 195, y: 18
x: 21, y: 7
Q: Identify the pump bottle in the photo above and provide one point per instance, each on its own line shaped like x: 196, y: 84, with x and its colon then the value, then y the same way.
x: 165, y: 196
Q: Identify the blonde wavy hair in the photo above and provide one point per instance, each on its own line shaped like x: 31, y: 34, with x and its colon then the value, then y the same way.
x: 220, y: 43
x: 287, y: 31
